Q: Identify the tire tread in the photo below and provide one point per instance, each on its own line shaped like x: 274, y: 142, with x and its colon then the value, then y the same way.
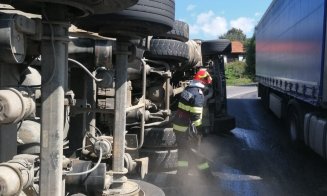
x: 168, y: 50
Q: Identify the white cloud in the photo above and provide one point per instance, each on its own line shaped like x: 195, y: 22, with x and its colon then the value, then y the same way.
x: 245, y: 24
x: 205, y: 17
x: 191, y: 7
x: 210, y: 25
x: 217, y: 26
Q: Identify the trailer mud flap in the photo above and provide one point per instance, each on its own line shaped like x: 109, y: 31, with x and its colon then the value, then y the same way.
x: 224, y: 124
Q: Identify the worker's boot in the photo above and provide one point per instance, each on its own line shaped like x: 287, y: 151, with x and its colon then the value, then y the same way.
x: 182, y: 171
x: 205, y: 172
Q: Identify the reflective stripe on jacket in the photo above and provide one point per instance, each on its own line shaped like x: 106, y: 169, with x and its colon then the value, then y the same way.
x: 190, y: 109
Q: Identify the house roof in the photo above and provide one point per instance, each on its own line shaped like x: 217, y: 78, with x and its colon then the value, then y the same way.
x: 237, y: 47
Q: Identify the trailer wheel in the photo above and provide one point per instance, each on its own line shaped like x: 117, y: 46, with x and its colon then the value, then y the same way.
x: 295, y: 123
x: 180, y: 32
x: 160, y: 160
x: 165, y: 49
x: 215, y: 47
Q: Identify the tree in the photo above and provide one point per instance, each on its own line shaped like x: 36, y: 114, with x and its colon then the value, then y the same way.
x: 250, y: 56
x: 234, y: 35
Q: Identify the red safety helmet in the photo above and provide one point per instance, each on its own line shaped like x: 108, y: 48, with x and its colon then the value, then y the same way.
x: 203, y: 76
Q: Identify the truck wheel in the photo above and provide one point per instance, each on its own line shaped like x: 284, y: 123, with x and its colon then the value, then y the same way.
x: 180, y: 32
x: 160, y: 160
x: 159, y: 138
x: 213, y: 47
x: 147, y: 17
x: 78, y: 7
x: 168, y: 50
x: 295, y: 122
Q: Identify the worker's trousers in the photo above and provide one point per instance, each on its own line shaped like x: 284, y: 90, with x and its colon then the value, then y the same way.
x: 188, y: 155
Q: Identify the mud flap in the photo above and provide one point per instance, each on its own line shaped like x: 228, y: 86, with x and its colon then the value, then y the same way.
x: 224, y: 124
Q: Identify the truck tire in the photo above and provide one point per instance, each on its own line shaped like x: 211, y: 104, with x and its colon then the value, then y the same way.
x: 77, y: 7
x: 159, y: 138
x: 113, y: 6
x: 180, y: 32
x: 295, y: 122
x: 147, y: 17
x: 161, y: 160
x: 214, y: 47
x: 165, y: 49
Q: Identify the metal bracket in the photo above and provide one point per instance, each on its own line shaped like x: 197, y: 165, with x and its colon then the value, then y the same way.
x: 142, y: 166
x: 70, y: 99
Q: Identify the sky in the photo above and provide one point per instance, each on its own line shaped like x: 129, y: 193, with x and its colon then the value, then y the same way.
x: 208, y: 19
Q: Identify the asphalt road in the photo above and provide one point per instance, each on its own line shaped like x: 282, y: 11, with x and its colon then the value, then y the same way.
x: 256, y: 158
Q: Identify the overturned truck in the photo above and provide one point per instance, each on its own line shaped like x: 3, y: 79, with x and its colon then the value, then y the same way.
x: 86, y: 113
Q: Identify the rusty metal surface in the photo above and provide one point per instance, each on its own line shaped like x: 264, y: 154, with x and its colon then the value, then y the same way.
x: 120, y: 107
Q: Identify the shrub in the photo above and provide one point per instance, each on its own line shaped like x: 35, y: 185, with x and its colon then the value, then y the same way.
x: 235, y: 69
x: 250, y: 56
